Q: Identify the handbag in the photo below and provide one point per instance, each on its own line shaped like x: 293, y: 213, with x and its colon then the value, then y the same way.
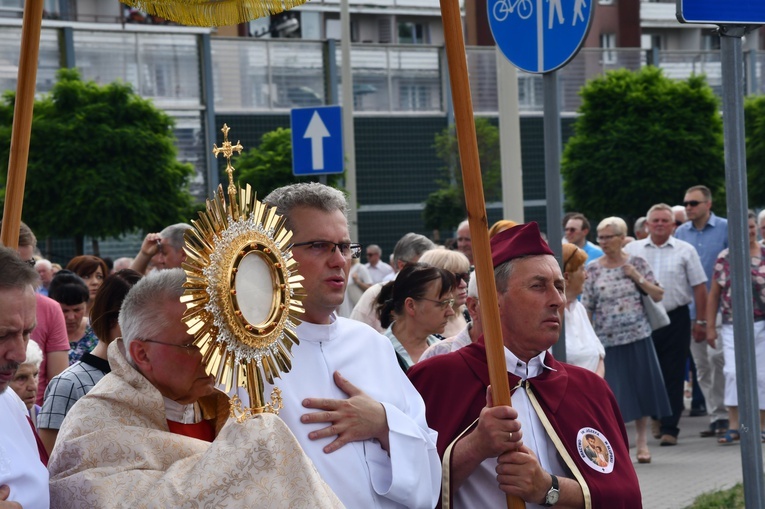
x: 657, y: 315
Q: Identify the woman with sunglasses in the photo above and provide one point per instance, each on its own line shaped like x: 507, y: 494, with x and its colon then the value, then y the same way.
x: 415, y: 307
x: 458, y: 264
x: 583, y: 348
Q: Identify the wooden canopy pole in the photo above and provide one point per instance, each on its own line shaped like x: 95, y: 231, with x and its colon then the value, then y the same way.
x: 476, y: 207
x: 22, y: 122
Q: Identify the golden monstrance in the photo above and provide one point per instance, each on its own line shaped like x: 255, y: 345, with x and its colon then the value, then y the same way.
x: 242, y: 291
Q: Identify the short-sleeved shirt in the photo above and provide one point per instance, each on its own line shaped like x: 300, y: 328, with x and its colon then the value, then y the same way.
x: 50, y: 335
x: 69, y: 386
x: 676, y: 265
x: 722, y: 276
x: 84, y: 345
x: 614, y: 302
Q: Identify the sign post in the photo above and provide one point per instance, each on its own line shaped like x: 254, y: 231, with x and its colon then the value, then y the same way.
x: 317, y: 140
x: 541, y: 36
x: 735, y: 19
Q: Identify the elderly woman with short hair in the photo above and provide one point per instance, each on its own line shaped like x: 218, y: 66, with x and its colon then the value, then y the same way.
x: 24, y: 381
x: 612, y: 299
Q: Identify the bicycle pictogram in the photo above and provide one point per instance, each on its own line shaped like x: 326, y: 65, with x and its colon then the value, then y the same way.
x: 504, y: 7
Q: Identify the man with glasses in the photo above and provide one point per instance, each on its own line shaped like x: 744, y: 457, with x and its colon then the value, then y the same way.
x: 709, y: 235
x: 377, y: 268
x: 576, y: 231
x: 156, y: 431
x: 346, y: 399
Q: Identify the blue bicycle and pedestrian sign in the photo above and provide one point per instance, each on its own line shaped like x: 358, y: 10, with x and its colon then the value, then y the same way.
x: 539, y: 36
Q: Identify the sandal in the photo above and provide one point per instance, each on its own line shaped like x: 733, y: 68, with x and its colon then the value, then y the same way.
x: 643, y: 456
x: 729, y: 437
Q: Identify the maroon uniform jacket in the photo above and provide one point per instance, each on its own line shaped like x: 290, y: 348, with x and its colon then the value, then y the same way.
x: 576, y: 402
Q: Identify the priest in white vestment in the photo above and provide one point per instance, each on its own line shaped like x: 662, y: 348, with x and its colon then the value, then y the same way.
x: 155, y: 433
x: 346, y: 399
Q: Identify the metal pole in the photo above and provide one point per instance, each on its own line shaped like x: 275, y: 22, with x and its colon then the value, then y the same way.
x: 738, y: 239
x: 509, y: 139
x: 552, y: 181
x: 208, y: 99
x: 349, y: 140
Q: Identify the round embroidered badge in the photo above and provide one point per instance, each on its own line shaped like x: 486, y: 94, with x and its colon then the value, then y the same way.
x: 595, y: 450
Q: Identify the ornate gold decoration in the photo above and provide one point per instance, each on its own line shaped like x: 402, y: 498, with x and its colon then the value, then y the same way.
x: 212, y: 12
x: 227, y: 149
x: 242, y: 293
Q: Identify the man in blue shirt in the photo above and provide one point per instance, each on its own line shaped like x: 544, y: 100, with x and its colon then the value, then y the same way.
x: 709, y: 235
x: 576, y: 230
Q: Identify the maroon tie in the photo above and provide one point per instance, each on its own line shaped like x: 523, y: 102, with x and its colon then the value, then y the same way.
x: 40, y: 446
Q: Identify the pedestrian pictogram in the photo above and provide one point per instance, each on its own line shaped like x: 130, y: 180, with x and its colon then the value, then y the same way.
x: 539, y: 35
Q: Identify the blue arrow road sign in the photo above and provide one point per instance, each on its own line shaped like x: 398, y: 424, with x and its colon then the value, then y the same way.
x: 732, y: 12
x: 317, y: 140
x: 539, y: 35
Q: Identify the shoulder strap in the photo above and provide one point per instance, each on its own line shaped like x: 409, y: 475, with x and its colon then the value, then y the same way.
x: 446, y: 495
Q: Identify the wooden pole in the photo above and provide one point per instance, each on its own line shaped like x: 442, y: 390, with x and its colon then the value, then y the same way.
x: 22, y: 122
x: 476, y: 207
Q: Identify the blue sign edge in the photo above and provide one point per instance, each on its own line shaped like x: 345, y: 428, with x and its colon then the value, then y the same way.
x: 569, y: 59
x: 682, y: 19
x: 342, y: 141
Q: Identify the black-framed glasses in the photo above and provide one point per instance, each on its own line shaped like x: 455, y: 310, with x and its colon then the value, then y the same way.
x: 602, y: 238
x: 462, y: 276
x: 325, y: 247
x: 692, y: 203
x: 442, y: 304
x: 189, y: 348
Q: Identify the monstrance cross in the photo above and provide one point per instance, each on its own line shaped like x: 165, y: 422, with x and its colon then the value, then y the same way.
x: 228, y: 150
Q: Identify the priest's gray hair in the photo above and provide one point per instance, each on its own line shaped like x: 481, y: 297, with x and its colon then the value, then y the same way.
x: 503, y: 272
x: 174, y: 234
x: 142, y: 314
x: 306, y: 194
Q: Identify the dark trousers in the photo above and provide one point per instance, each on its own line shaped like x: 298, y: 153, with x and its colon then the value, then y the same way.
x: 673, y: 345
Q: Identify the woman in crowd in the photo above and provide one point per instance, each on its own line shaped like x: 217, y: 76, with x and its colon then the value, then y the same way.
x: 720, y: 297
x: 459, y: 265
x: 65, y: 389
x: 71, y: 293
x: 414, y: 307
x: 92, y: 270
x: 24, y: 381
x: 612, y: 300
x: 583, y: 348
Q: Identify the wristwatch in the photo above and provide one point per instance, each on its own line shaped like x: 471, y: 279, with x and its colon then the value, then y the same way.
x: 552, y: 494
x: 641, y: 280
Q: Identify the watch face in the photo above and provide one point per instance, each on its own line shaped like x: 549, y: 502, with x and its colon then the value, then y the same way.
x: 552, y: 497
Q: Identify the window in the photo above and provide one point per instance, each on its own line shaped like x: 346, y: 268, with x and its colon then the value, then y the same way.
x: 412, y: 33
x: 608, y: 42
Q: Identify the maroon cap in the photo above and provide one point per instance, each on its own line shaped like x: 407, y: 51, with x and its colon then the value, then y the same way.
x: 521, y: 240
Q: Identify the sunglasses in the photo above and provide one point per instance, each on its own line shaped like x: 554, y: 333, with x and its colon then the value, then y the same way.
x: 462, y: 276
x: 692, y: 203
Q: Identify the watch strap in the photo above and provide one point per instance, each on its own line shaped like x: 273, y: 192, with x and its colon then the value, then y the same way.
x: 551, y: 498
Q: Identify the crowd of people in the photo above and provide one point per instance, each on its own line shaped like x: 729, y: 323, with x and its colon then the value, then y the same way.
x: 388, y: 402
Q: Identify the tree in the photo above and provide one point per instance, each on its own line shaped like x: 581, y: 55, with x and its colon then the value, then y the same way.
x: 754, y: 116
x: 642, y: 139
x: 102, y: 162
x: 445, y: 208
x: 269, y: 165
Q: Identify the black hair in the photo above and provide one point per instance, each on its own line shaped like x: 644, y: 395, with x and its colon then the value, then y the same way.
x: 68, y: 288
x: 412, y: 282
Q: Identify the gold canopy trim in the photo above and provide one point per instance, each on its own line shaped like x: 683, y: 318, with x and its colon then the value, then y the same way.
x: 205, y: 13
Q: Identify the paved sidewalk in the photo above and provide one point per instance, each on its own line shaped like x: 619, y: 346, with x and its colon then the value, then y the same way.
x: 680, y: 473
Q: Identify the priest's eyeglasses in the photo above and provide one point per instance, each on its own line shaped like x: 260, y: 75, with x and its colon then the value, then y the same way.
x: 442, y: 304
x: 189, y: 348
x: 325, y: 247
